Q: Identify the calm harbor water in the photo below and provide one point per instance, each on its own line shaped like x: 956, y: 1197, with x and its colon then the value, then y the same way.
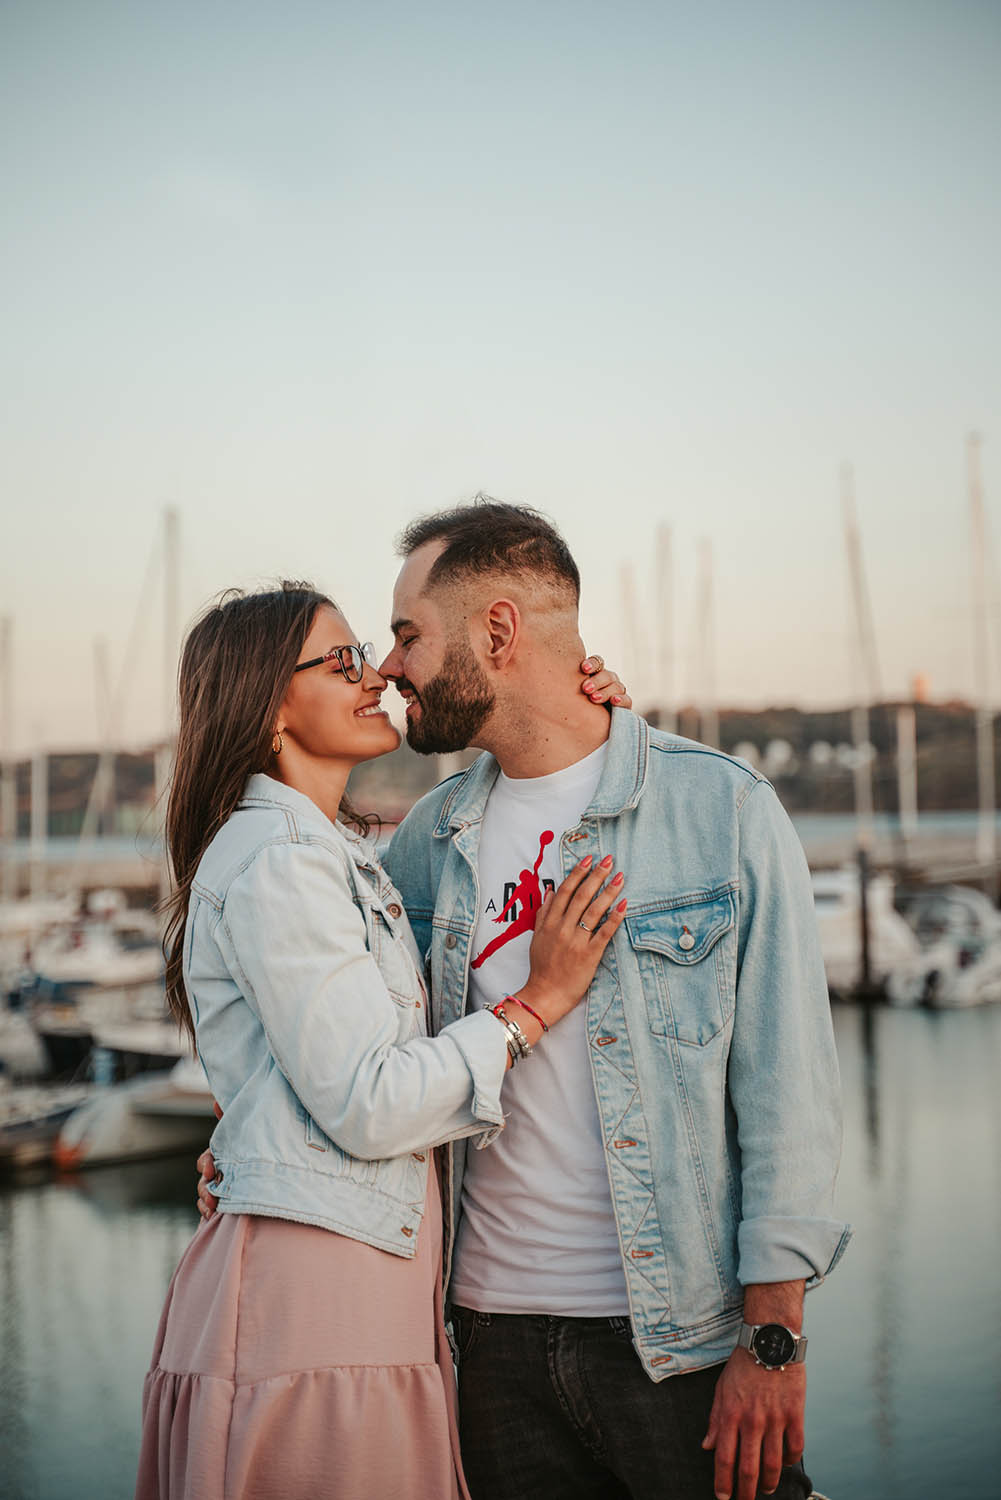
x: 905, y: 1338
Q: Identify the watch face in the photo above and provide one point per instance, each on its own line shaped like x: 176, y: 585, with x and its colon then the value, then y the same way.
x: 774, y: 1345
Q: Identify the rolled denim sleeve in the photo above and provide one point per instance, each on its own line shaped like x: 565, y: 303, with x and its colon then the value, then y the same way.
x: 783, y: 1071
x: 294, y: 941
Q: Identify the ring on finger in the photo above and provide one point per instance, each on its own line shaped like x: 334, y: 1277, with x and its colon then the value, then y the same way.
x: 585, y: 926
x: 599, y: 662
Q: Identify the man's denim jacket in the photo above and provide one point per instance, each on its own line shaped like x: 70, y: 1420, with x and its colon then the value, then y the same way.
x: 711, y: 1045
x: 310, y: 1019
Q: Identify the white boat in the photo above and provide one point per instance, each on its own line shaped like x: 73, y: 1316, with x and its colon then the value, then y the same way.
x: 92, y: 953
x: 22, y: 1055
x: 892, y: 942
x: 129, y: 1022
x: 34, y: 914
x: 31, y: 1116
x: 151, y: 1115
x: 140, y: 1044
x: 959, y: 960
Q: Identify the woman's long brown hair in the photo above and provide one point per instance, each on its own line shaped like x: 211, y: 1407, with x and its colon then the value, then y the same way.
x: 235, y: 670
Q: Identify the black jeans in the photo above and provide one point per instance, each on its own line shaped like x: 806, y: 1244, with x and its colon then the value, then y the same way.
x: 561, y: 1409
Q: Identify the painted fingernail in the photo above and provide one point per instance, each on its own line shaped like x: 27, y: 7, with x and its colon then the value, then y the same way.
x: 616, y: 699
x: 607, y: 860
x: 589, y: 665
x: 618, y: 879
x: 622, y: 905
x: 586, y: 861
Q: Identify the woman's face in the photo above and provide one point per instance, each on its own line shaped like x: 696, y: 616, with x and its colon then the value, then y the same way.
x: 324, y: 716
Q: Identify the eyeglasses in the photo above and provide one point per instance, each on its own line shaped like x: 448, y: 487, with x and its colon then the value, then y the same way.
x: 350, y: 659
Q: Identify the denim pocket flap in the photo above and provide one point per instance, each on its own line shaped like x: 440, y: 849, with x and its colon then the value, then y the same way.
x: 683, y: 932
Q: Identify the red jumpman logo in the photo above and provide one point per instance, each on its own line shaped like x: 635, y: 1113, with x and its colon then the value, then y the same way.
x: 529, y: 892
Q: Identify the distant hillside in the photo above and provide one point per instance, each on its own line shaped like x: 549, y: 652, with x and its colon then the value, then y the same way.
x: 816, y: 774
x: 808, y: 755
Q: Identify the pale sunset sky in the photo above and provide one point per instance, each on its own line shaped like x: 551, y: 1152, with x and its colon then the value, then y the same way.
x: 305, y: 270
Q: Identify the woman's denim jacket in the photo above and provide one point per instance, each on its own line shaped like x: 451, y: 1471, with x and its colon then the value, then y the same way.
x: 311, y: 1022
x: 711, y: 1045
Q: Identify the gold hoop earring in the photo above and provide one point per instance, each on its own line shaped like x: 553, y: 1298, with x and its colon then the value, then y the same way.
x: 276, y: 749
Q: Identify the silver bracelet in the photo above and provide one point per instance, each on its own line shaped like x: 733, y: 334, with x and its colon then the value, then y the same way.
x: 518, y: 1044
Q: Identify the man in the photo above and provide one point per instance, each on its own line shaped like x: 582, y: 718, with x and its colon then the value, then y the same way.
x: 629, y: 1254
x: 663, y: 1185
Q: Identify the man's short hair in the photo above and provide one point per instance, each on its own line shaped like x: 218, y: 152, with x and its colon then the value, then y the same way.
x: 488, y: 536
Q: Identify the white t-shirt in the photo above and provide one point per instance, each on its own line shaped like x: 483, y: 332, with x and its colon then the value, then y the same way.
x: 537, y: 1233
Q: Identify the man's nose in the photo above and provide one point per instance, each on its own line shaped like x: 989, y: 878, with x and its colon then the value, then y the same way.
x: 392, y: 667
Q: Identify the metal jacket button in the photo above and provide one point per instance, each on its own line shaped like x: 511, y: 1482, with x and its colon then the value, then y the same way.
x: 451, y: 940
x: 686, y: 940
x: 395, y: 910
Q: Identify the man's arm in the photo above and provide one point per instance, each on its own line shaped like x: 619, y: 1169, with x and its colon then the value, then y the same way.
x: 782, y: 1075
x: 784, y: 1087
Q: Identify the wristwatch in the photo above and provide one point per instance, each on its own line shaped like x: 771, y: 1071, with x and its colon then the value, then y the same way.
x: 772, y: 1344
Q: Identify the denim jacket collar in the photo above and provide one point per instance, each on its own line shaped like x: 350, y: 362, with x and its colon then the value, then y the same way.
x: 263, y: 789
x: 619, y: 789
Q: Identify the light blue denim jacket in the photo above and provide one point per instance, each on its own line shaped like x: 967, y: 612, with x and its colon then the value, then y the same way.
x: 311, y: 1022
x: 711, y: 1045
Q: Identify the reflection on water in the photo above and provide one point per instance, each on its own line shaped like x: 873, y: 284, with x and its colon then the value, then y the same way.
x: 83, y: 1267
x: 905, y: 1352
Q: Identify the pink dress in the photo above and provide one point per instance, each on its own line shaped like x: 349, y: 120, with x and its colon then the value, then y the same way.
x: 292, y: 1363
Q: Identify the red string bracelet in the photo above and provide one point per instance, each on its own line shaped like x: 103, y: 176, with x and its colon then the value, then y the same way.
x: 523, y: 1005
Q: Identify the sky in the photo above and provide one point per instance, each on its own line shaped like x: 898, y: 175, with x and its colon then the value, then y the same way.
x: 305, y: 271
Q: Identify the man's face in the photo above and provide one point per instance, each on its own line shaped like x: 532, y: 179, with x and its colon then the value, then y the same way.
x: 446, y: 691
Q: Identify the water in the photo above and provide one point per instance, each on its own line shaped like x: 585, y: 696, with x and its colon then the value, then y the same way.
x: 905, y: 1352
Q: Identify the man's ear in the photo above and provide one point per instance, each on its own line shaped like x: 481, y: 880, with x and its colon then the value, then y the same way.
x: 503, y: 626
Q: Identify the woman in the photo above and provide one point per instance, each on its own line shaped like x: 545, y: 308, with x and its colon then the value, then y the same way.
x: 301, y: 1352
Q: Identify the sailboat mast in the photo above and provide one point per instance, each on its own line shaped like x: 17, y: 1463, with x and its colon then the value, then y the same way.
x: 664, y: 596
x: 171, y: 614
x: 8, y: 794
x: 864, y: 646
x: 907, y: 773
x: 171, y: 631
x: 39, y: 821
x: 709, y: 729
x: 632, y: 639
x: 986, y: 831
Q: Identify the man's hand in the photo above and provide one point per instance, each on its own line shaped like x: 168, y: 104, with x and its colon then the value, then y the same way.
x: 756, y: 1423
x: 757, y: 1416
x: 206, y: 1202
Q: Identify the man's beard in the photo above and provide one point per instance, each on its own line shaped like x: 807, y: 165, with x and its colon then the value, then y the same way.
x: 454, y: 705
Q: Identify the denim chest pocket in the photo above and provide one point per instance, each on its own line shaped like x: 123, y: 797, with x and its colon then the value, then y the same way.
x: 686, y: 953
x: 397, y: 967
